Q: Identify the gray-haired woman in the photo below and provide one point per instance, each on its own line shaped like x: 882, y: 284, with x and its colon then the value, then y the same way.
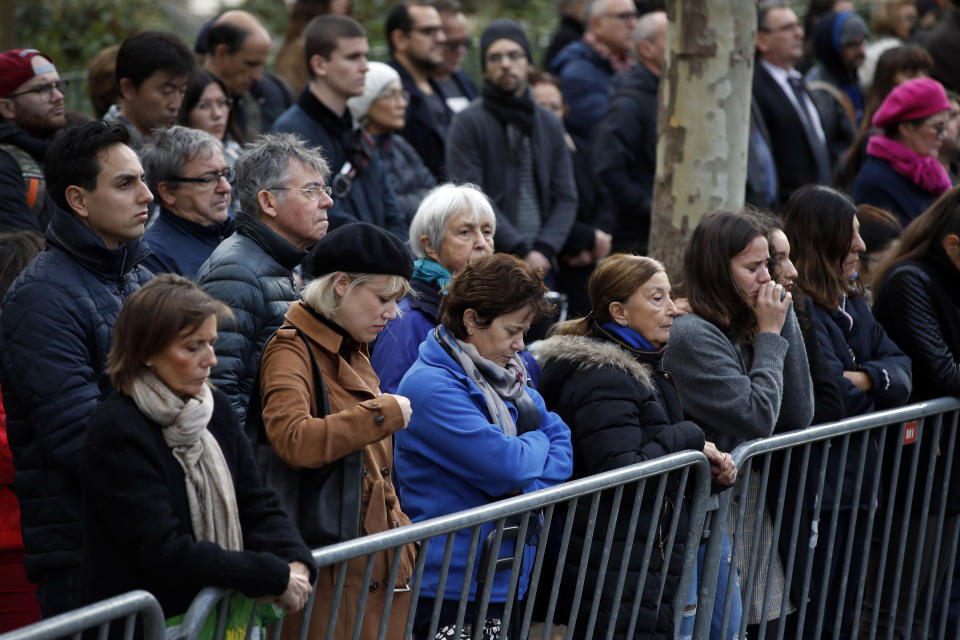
x: 453, y: 227
x: 381, y: 110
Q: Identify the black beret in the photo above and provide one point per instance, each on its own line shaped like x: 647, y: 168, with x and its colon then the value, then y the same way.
x: 361, y: 247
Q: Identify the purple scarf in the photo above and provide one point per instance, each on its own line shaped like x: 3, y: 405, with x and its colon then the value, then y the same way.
x: 925, y: 171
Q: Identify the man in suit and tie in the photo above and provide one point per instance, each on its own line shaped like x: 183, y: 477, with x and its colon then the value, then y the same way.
x: 796, y: 134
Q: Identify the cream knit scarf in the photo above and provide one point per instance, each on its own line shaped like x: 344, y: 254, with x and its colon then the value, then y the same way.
x: 210, y: 494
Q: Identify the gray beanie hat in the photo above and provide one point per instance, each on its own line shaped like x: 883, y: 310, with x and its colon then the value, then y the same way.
x: 379, y: 76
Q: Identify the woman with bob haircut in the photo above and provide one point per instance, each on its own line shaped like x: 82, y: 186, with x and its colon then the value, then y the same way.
x: 478, y: 431
x: 758, y: 381
x: 454, y: 226
x: 902, y: 173
x: 869, y: 368
x: 602, y: 374
x: 361, y: 274
x: 174, y: 502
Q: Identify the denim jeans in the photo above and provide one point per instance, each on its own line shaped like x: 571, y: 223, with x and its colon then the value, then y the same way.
x: 736, y: 603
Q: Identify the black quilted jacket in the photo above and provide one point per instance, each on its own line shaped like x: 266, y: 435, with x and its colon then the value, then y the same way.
x: 55, y: 332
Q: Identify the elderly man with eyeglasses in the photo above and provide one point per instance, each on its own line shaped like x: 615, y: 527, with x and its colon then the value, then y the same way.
x: 190, y: 180
x: 283, y: 212
x: 32, y: 110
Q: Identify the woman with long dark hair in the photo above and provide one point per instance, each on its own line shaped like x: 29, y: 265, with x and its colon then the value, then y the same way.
x: 207, y: 106
x: 758, y: 380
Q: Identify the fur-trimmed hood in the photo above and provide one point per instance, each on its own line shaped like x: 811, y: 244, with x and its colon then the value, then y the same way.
x: 591, y: 353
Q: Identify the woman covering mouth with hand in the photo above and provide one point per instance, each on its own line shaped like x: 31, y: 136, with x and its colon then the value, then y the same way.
x: 739, y: 361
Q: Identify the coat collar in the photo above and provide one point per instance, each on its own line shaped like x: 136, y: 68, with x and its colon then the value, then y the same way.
x: 331, y: 341
x: 70, y: 235
x: 272, y: 244
x: 586, y: 352
x: 191, y: 228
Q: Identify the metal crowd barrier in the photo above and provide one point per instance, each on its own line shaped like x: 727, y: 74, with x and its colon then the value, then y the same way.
x: 129, y: 607
x: 858, y: 521
x: 660, y: 486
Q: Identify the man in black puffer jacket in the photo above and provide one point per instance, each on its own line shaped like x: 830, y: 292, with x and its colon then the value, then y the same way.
x: 284, y: 212
x: 55, y: 333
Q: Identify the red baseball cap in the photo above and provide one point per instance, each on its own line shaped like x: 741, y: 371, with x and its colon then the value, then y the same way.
x: 16, y: 68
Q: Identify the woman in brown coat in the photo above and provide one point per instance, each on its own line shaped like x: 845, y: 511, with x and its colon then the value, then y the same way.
x: 361, y: 273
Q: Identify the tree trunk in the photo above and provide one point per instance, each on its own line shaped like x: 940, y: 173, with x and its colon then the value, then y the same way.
x: 703, y: 119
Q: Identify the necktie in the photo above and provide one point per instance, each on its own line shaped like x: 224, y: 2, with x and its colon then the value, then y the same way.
x: 817, y: 145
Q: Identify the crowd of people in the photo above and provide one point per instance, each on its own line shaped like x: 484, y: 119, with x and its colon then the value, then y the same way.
x: 235, y: 289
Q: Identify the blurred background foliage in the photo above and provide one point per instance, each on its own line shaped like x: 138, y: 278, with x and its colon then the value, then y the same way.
x: 72, y: 32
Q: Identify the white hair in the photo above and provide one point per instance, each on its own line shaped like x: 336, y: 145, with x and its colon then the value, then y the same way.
x: 439, y: 206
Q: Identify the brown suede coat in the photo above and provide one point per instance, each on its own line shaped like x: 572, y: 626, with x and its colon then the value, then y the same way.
x: 359, y: 418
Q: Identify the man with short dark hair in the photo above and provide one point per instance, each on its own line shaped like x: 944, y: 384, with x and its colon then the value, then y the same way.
x: 55, y: 332
x: 796, y: 136
x: 153, y: 68
x: 457, y: 87
x: 514, y: 150
x: 236, y: 49
x: 336, y: 51
x: 31, y: 111
x: 284, y: 202
x: 190, y: 180
x: 415, y: 35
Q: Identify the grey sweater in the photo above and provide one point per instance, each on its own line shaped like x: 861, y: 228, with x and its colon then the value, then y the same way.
x: 736, y: 392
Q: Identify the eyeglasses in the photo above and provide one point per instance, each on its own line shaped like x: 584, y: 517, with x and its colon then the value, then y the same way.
x: 395, y: 95
x: 209, y: 179
x: 45, y: 90
x: 940, y: 128
x: 453, y: 45
x: 311, y: 193
x: 783, y: 29
x: 223, y: 103
x: 626, y: 16
x: 430, y: 32
x: 513, y: 56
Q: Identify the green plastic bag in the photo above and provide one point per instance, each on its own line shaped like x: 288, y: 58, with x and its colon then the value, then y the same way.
x: 238, y: 617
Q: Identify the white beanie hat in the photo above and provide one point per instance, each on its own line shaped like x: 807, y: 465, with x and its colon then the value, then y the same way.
x: 379, y: 76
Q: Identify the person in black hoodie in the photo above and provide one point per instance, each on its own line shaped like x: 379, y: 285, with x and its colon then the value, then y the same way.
x: 31, y: 111
x: 602, y: 375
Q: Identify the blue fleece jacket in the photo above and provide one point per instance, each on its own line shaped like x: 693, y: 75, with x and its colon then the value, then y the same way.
x: 451, y: 457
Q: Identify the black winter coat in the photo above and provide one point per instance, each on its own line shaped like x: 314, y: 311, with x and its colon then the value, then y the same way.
x: 625, y: 154
x: 55, y: 333
x: 918, y: 303
x: 862, y: 346
x: 252, y: 272
x: 137, y: 529
x: 621, y: 409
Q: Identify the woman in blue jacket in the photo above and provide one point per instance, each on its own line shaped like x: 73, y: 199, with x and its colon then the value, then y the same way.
x: 478, y: 433
x: 868, y: 367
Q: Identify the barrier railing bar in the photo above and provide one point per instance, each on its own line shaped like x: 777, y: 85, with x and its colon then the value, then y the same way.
x: 74, y: 623
x: 943, y: 525
x: 604, y: 559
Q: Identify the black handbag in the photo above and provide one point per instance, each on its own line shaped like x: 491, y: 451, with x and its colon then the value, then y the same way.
x: 323, y: 502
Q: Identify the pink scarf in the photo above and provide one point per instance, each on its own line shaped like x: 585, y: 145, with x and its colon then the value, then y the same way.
x: 925, y: 171
x: 619, y: 61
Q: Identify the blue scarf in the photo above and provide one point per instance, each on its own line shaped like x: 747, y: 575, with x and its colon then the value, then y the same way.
x: 629, y: 336
x: 431, y: 272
